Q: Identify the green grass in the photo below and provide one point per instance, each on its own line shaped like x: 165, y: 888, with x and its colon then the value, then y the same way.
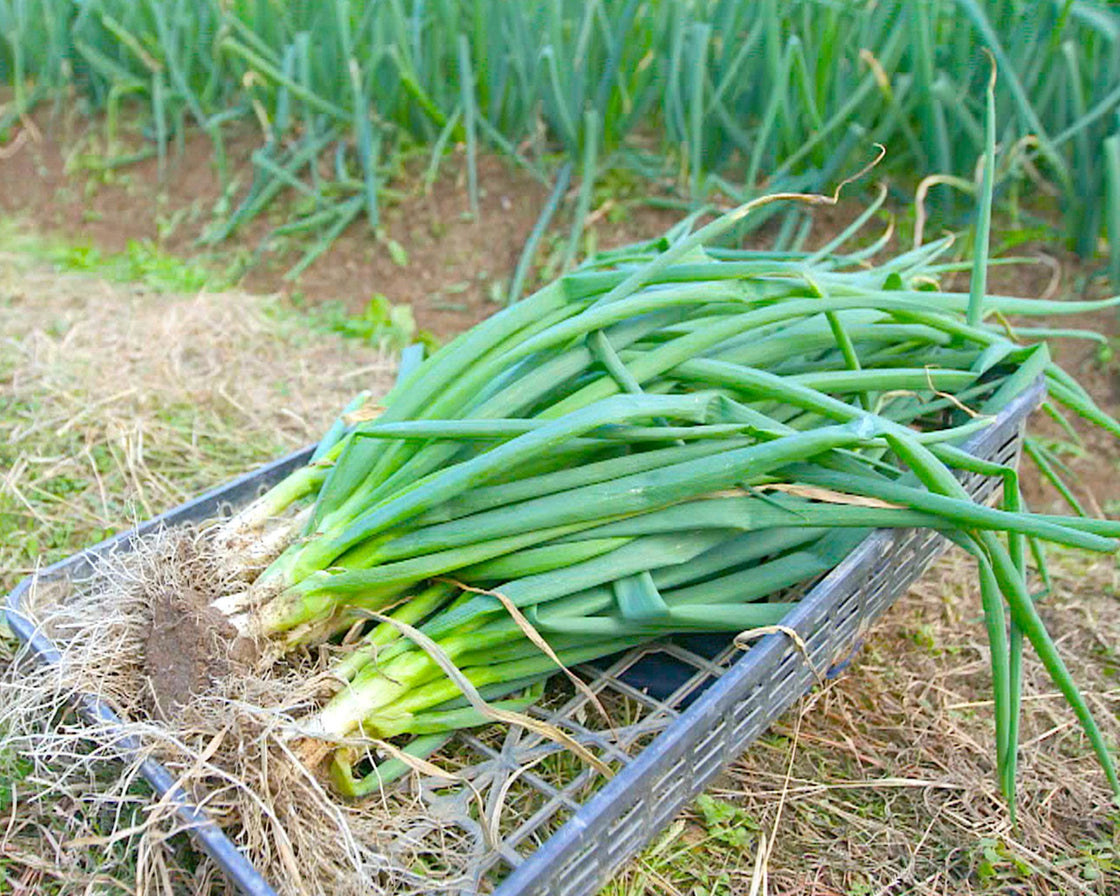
x: 714, y: 97
x: 704, y: 853
x: 141, y: 262
x: 388, y: 326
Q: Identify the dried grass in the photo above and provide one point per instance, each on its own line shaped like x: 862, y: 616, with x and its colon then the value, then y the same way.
x: 892, y: 786
x: 117, y: 403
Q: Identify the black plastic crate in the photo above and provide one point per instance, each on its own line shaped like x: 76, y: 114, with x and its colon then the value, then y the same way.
x: 719, y: 698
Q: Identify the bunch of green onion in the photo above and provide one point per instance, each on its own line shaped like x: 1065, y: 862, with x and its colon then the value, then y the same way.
x: 659, y: 442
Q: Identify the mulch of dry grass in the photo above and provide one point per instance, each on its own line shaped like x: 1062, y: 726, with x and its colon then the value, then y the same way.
x: 117, y: 402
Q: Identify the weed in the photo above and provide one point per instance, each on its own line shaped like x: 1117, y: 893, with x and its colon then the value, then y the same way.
x: 388, y: 326
x: 141, y: 262
x: 727, y: 824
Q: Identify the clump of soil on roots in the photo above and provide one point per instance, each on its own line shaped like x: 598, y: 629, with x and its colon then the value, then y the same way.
x: 189, y: 645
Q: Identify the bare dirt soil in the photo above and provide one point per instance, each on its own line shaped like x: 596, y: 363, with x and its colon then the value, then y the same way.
x: 457, y: 264
x: 186, y: 648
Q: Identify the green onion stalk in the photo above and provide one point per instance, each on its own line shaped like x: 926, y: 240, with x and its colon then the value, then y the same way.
x: 674, y: 437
